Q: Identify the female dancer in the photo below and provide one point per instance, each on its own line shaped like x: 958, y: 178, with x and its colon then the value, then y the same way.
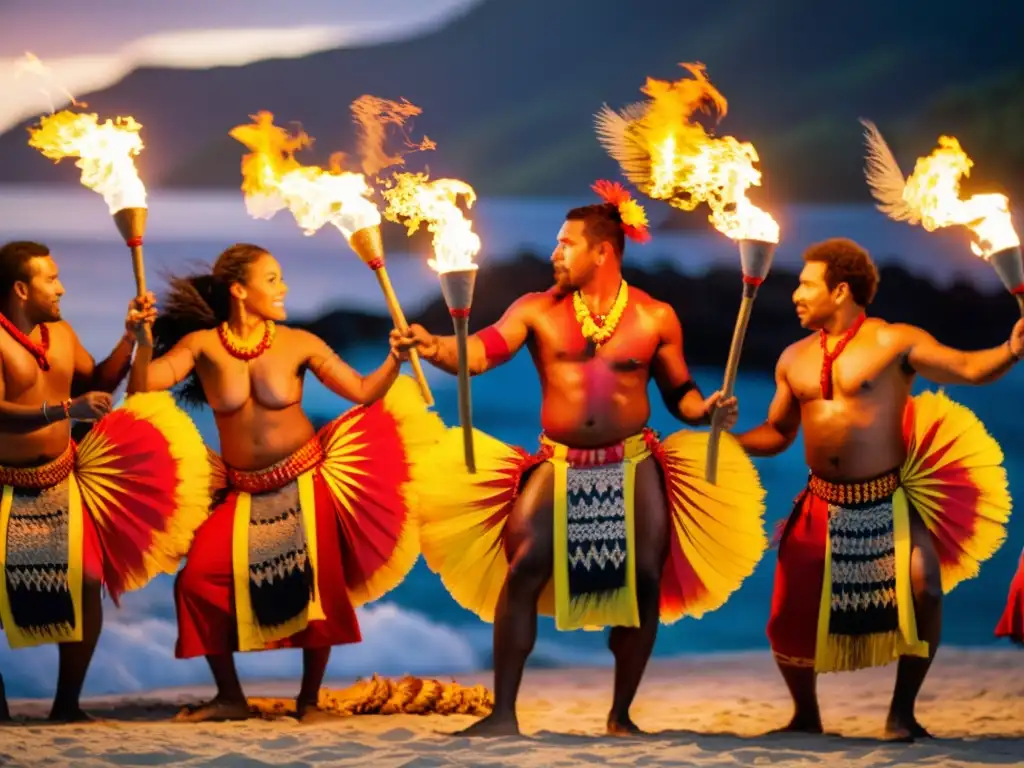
x: 305, y: 526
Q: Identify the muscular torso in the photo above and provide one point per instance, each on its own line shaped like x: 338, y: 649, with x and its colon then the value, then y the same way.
x: 26, y: 384
x: 857, y: 434
x: 256, y: 403
x: 594, y: 396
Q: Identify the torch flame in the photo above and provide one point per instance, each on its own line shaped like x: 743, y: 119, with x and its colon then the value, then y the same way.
x: 372, y: 115
x: 30, y: 64
x: 670, y: 157
x: 104, y: 151
x: 273, y: 180
x: 412, y: 197
x: 931, y: 196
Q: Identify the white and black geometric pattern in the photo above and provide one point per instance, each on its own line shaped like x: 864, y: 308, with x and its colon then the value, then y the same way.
x: 37, y: 558
x: 596, y: 535
x: 863, y: 546
x: 280, y: 574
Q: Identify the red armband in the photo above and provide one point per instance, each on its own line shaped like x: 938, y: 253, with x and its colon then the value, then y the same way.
x: 495, y: 347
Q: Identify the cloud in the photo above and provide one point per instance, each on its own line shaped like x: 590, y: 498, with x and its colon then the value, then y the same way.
x: 25, y: 95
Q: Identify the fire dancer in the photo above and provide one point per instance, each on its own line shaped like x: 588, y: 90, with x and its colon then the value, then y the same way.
x: 606, y: 525
x: 306, y: 526
x: 111, y: 512
x: 906, y: 495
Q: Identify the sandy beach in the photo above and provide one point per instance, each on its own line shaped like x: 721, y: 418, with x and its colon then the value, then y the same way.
x: 704, y: 711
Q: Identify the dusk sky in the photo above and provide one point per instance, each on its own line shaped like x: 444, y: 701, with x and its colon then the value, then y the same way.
x: 91, y: 44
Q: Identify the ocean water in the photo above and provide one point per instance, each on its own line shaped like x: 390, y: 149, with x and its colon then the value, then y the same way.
x: 418, y: 628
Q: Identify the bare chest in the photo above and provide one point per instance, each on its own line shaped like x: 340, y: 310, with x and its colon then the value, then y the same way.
x: 862, y: 370
x: 25, y: 380
x: 630, y: 348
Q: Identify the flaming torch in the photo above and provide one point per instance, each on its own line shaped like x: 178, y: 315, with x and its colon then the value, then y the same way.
x: 274, y: 180
x: 670, y: 157
x: 931, y: 197
x: 413, y: 198
x: 104, y: 152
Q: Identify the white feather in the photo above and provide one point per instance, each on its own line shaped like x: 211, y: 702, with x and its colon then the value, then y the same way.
x: 615, y: 132
x: 885, y: 177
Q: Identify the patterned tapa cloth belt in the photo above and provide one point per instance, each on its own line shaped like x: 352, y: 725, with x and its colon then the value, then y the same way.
x: 280, y: 474
x: 606, y: 454
x: 861, y: 492
x: 44, y: 476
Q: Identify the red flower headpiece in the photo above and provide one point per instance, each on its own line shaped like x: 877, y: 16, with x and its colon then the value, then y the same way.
x: 634, y: 219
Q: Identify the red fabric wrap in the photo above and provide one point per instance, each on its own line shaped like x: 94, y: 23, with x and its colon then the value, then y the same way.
x: 495, y: 347
x: 458, y: 313
x: 1017, y: 290
x: 375, y: 264
x: 796, y: 596
x: 1011, y: 624
x: 753, y: 280
x: 204, y: 589
x: 133, y: 242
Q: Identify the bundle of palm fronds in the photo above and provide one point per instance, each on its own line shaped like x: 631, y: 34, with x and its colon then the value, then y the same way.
x: 381, y: 696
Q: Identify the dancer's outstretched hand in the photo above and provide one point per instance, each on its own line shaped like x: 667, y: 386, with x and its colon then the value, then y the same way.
x: 419, y: 337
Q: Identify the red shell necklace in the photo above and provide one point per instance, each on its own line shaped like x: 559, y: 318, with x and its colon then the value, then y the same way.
x: 239, y: 349
x: 829, y: 358
x: 38, y: 351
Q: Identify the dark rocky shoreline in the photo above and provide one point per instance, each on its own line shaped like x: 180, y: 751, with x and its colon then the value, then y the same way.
x: 960, y: 315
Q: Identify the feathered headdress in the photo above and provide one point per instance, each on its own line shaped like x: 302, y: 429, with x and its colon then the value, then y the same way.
x: 634, y: 218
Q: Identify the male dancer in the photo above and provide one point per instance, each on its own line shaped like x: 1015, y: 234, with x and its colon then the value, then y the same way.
x: 54, y: 555
x: 606, y: 525
x: 856, y: 561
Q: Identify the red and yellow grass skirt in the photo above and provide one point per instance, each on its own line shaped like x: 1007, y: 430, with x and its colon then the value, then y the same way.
x: 953, y: 478
x: 119, y: 508
x: 293, y: 549
x: 1011, y: 624
x: 717, y: 535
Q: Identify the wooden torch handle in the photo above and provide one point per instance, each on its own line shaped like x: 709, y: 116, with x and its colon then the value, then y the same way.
x: 398, y: 318
x: 731, y: 370
x: 465, y: 402
x: 139, y: 268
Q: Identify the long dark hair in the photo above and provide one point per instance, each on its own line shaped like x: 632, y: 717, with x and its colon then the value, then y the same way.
x: 200, y: 302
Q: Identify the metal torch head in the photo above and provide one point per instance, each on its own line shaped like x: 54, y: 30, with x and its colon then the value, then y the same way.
x: 368, y: 245
x: 1007, y: 264
x: 131, y: 223
x: 457, y: 287
x: 756, y: 258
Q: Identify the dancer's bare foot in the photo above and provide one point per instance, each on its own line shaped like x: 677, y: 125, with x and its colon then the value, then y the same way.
x: 619, y: 725
x: 801, y: 723
x: 311, y: 714
x: 494, y: 724
x: 69, y: 715
x: 215, y: 710
x: 904, y: 728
